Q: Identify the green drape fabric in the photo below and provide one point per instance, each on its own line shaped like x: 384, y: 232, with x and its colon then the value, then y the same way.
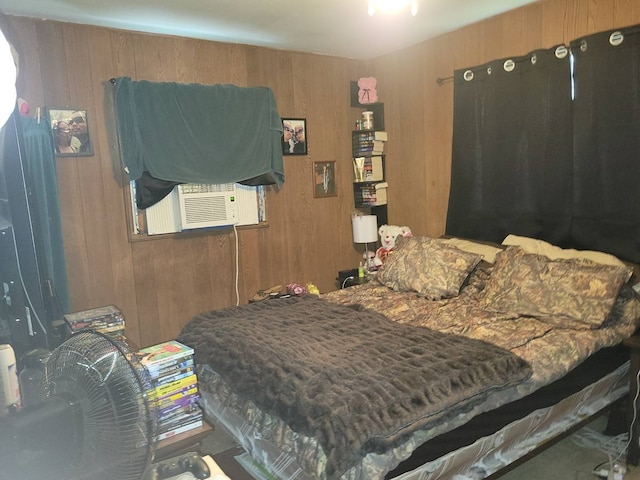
x: 195, y: 133
x: 40, y: 167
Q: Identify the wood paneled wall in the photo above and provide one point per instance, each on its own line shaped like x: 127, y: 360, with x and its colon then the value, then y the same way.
x: 161, y: 283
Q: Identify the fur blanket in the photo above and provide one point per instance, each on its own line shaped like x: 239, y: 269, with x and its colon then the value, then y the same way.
x: 350, y: 377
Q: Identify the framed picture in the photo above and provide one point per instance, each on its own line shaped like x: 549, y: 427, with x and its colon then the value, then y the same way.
x: 294, y: 136
x: 324, y: 179
x: 71, y: 137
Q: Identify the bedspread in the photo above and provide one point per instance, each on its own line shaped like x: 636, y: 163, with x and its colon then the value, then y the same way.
x: 551, y: 349
x: 341, y: 373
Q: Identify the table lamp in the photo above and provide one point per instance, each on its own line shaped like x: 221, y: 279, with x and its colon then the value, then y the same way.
x: 365, y: 230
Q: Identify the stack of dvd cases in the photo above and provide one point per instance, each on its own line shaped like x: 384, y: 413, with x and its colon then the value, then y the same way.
x: 108, y: 320
x: 172, y: 371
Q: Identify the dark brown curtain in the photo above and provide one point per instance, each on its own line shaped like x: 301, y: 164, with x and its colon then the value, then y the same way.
x: 606, y: 126
x: 512, y: 149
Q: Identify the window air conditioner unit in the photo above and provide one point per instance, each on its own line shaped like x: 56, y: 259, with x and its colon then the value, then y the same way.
x: 203, y: 205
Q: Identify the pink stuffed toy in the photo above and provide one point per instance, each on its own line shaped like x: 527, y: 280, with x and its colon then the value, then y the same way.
x: 367, y: 90
x: 388, y: 235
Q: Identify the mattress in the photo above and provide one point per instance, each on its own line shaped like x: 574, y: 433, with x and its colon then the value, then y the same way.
x: 476, y: 455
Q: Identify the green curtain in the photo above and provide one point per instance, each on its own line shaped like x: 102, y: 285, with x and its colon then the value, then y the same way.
x: 40, y: 169
x: 195, y: 133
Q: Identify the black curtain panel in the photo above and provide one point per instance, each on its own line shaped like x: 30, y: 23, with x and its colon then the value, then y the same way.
x: 606, y: 129
x: 512, y: 149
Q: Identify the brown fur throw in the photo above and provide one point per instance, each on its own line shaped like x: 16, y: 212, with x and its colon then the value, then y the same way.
x: 352, y: 378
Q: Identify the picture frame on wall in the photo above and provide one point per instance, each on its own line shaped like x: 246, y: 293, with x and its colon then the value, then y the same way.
x: 70, y: 128
x: 324, y: 179
x: 294, y: 136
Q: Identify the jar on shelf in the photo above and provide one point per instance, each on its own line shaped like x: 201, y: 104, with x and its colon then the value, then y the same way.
x: 367, y: 120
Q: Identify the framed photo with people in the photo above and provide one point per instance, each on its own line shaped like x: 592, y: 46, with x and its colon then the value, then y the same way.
x: 294, y: 136
x: 324, y: 179
x: 71, y: 136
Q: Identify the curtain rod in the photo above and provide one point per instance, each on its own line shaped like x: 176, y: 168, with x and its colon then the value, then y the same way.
x: 441, y: 80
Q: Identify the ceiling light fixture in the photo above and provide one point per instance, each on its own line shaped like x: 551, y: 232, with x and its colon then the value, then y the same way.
x: 392, y: 6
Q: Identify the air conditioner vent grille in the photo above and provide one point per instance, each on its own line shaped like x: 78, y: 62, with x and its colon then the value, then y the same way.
x: 203, y: 209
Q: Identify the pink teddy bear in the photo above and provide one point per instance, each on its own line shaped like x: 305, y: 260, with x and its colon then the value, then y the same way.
x: 367, y: 90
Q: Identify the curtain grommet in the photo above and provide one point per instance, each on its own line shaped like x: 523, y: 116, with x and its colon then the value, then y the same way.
x: 561, y: 51
x: 509, y: 65
x: 616, y: 38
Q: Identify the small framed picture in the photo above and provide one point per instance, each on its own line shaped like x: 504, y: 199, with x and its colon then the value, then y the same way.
x: 71, y: 137
x: 294, y: 136
x: 324, y: 179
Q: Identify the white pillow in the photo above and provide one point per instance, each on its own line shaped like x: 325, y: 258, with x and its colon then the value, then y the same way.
x: 540, y: 247
x: 488, y: 252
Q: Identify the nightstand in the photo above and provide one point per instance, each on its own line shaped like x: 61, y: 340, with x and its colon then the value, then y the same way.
x: 349, y: 278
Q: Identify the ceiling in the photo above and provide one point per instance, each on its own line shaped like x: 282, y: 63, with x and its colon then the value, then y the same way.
x: 327, y: 27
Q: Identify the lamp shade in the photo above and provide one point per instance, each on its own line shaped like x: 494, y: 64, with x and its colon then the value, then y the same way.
x: 365, y: 228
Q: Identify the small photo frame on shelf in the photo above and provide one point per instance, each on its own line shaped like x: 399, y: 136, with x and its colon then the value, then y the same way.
x: 294, y: 136
x: 71, y: 136
x: 324, y: 179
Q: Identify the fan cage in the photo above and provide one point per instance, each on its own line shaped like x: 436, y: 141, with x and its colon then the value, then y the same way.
x: 116, y: 403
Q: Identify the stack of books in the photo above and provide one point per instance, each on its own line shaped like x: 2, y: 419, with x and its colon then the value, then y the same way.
x: 108, y: 320
x: 172, y: 370
x: 369, y: 142
x: 371, y: 195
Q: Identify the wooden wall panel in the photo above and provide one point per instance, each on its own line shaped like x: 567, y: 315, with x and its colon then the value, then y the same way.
x: 162, y: 282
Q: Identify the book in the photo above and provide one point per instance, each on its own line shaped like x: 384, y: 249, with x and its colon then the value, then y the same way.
x: 181, y: 404
x: 178, y: 420
x: 380, y: 135
x: 371, y: 135
x: 156, y: 355
x: 173, y: 375
x: 178, y: 375
x: 170, y: 367
x: 179, y: 416
x: 178, y: 430
x: 177, y: 386
x: 101, y: 313
x: 374, y: 147
x: 371, y: 195
x: 170, y: 399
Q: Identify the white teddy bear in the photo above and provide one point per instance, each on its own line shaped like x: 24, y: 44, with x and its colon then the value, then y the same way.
x: 388, y: 235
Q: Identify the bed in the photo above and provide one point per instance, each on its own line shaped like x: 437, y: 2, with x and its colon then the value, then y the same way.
x: 454, y: 361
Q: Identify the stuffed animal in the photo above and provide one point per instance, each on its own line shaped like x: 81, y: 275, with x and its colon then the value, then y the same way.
x: 367, y: 90
x: 388, y: 235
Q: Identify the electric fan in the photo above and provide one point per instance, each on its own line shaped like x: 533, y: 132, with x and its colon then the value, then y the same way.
x: 97, y: 422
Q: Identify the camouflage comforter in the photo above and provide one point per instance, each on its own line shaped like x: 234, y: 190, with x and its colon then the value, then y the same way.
x: 551, y: 349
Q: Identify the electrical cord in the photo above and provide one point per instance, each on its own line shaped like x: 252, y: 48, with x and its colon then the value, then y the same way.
x: 26, y: 293
x: 347, y: 279
x: 235, y: 234
x: 614, y: 447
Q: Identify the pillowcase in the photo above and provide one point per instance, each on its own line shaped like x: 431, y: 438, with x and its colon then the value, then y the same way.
x: 527, y: 284
x: 540, y: 247
x: 427, y: 266
x: 487, y: 251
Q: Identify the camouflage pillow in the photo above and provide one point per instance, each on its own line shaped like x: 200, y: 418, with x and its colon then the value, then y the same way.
x: 533, y: 285
x: 427, y: 266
